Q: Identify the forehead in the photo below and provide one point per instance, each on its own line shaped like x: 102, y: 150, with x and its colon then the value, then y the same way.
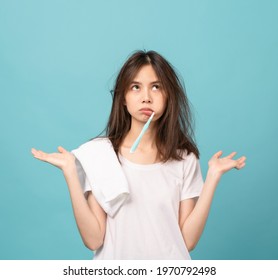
x: 146, y: 74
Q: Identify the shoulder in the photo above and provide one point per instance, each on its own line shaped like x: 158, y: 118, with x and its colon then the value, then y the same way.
x: 96, y: 142
x: 189, y: 162
x: 178, y: 167
x: 183, y: 166
x: 187, y: 158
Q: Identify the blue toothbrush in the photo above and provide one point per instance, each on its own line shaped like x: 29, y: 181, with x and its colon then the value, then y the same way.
x: 137, y: 141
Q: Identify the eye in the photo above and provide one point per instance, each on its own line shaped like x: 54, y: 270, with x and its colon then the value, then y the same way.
x: 135, y: 87
x: 156, y: 87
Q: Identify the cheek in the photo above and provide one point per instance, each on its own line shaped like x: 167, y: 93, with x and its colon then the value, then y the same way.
x: 163, y: 103
x: 129, y: 103
x: 127, y: 99
x: 130, y: 99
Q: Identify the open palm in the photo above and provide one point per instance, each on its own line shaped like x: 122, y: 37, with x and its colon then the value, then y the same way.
x: 222, y: 165
x: 62, y: 160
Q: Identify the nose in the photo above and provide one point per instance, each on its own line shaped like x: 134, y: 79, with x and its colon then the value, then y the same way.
x: 147, y: 96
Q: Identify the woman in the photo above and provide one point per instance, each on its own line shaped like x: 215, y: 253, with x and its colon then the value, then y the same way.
x: 166, y: 212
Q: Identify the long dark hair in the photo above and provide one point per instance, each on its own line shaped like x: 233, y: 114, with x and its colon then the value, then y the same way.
x: 175, y: 131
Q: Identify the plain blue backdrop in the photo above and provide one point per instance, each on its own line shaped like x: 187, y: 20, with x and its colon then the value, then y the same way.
x: 58, y: 62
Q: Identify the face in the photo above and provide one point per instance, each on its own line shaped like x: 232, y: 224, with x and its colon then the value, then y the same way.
x: 145, y: 95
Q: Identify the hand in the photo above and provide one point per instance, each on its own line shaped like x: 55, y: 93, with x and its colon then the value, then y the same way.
x: 219, y: 165
x: 63, y: 160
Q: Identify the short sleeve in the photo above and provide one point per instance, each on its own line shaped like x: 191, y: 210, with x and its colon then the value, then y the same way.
x: 84, y: 182
x: 192, y: 177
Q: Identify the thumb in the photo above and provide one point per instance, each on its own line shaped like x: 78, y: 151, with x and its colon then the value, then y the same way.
x: 61, y: 149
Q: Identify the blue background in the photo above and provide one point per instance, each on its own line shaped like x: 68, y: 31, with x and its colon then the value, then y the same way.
x: 58, y: 61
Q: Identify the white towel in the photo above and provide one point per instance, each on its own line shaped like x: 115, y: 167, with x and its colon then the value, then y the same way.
x: 100, y: 171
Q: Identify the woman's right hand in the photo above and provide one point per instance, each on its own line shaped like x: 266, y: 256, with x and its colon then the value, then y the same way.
x: 63, y: 160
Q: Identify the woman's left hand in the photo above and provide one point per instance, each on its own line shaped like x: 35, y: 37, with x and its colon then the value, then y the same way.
x: 219, y: 165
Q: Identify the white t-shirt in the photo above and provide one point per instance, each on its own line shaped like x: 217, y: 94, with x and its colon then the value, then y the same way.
x: 147, y: 224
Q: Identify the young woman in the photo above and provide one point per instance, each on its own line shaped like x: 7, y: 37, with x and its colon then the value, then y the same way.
x: 168, y: 204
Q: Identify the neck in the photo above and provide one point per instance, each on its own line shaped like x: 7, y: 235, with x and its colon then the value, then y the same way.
x: 147, y: 141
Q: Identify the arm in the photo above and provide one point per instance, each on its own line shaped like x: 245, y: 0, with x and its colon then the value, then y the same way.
x: 194, y: 213
x: 197, y: 211
x: 90, y: 217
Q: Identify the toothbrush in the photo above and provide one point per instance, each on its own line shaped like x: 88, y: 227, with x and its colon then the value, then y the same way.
x: 144, y: 129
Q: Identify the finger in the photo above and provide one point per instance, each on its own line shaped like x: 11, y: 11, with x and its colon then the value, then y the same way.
x: 39, y: 154
x: 35, y: 152
x: 241, y: 165
x: 241, y: 160
x: 61, y: 149
x: 231, y: 155
x: 42, y: 155
x: 218, y: 154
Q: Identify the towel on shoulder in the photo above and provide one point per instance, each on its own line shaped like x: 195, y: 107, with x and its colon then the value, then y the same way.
x: 99, y: 171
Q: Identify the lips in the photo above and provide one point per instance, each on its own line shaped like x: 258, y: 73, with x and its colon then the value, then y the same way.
x: 146, y: 111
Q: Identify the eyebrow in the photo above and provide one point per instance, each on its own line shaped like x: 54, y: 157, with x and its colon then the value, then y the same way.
x: 154, y: 82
